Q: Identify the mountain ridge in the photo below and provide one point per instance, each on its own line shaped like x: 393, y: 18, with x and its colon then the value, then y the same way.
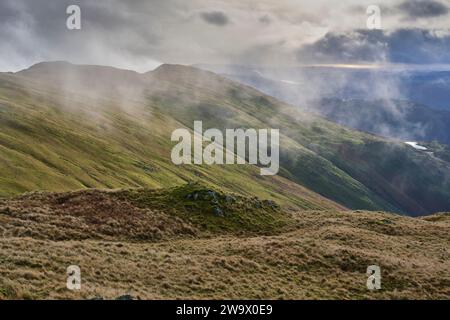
x: 113, y: 111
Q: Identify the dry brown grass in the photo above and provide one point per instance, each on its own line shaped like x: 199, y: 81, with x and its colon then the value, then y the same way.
x: 155, y: 254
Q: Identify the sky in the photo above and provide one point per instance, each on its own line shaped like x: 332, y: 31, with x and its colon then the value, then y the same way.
x: 141, y: 34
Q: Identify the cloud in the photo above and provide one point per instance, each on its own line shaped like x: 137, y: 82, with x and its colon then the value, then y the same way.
x: 265, y: 19
x: 140, y: 34
x: 423, y: 8
x: 358, y: 46
x: 415, y: 46
x: 217, y: 18
x: 34, y: 31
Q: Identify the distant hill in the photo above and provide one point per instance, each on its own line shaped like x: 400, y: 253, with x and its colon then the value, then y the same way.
x: 402, y: 104
x: 392, y: 118
x: 422, y: 85
x: 66, y: 127
x: 430, y: 88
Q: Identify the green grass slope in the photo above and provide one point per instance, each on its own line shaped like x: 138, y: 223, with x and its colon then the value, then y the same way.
x: 58, y: 140
x: 359, y: 170
x: 66, y: 127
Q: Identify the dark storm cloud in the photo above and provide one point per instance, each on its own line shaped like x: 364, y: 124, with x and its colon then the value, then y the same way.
x: 401, y: 46
x: 217, y: 18
x: 32, y: 31
x: 8, y: 12
x: 108, y: 17
x: 343, y: 48
x: 265, y: 19
x: 423, y: 8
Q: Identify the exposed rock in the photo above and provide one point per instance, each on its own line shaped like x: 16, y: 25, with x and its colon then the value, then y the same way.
x: 271, y: 204
x: 126, y: 297
x: 230, y: 199
x: 218, y: 212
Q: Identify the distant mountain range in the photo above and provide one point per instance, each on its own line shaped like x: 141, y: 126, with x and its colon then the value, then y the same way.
x: 391, y: 118
x: 409, y: 104
x: 66, y: 127
x: 426, y: 86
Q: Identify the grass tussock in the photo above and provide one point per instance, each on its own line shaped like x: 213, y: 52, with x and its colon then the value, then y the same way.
x: 173, y: 243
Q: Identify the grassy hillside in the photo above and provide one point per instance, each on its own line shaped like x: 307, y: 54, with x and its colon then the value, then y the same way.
x: 59, y: 141
x: 356, y: 169
x: 66, y: 127
x: 172, y: 243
